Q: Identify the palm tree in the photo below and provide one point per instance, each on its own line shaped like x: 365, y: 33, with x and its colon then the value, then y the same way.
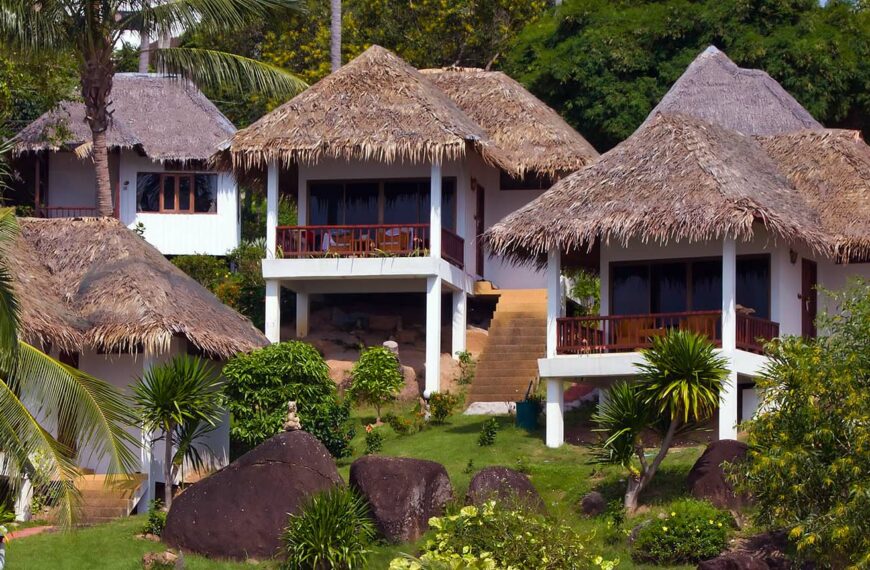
x: 92, y: 28
x: 181, y: 398
x: 680, y: 379
x: 35, y: 386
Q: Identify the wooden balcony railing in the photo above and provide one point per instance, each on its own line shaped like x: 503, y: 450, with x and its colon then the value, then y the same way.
x: 452, y: 248
x: 66, y: 212
x: 628, y: 333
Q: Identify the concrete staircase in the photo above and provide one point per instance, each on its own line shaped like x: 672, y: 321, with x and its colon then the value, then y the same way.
x: 103, y: 500
x: 517, y: 339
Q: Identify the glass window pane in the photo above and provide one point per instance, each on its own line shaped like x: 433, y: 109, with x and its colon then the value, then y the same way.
x: 147, y: 192
x: 325, y: 201
x: 753, y: 285
x: 707, y: 285
x: 168, y: 192
x: 184, y: 192
x: 361, y: 203
x: 401, y: 202
x: 205, y: 186
x: 668, y: 287
x: 631, y: 291
x: 448, y: 203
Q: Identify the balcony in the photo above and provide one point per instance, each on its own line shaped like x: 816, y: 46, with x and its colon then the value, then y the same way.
x: 373, y: 240
x: 66, y: 212
x: 629, y: 333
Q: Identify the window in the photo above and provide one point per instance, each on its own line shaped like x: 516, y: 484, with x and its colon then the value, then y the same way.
x: 176, y: 193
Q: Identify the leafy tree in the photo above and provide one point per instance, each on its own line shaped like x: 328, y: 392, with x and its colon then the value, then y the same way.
x: 178, y: 398
x: 808, y: 468
x: 91, y: 29
x: 604, y: 64
x: 678, y: 385
x: 34, y: 385
x: 376, y: 378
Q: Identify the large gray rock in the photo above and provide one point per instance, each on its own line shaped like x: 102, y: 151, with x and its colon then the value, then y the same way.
x: 240, y: 511
x: 503, y: 484
x: 707, y: 477
x: 403, y: 493
x: 593, y: 504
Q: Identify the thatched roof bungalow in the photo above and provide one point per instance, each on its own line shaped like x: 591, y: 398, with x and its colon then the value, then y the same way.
x: 90, y: 284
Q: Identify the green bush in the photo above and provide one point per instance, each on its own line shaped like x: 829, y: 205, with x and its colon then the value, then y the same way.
x: 442, y: 405
x: 376, y: 378
x: 208, y: 270
x: 156, y: 521
x: 374, y: 440
x: 260, y: 383
x: 467, y: 368
x: 333, y: 531
x: 493, y: 536
x: 487, y: 432
x: 400, y: 425
x: 691, y: 532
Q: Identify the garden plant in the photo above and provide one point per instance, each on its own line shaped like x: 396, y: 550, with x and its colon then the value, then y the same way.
x: 376, y: 378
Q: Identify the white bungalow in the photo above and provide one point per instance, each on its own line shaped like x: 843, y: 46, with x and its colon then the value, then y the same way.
x: 99, y: 298
x: 395, y: 173
x: 721, y: 214
x: 163, y: 131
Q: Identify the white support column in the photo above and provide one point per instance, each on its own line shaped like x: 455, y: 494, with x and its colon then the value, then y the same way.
x: 433, y: 336
x: 555, y: 413
x: 555, y: 298
x: 146, y: 451
x: 728, y: 402
x: 22, y: 501
x: 273, y: 310
x: 435, y: 212
x: 271, y: 209
x: 460, y: 317
x: 303, y: 308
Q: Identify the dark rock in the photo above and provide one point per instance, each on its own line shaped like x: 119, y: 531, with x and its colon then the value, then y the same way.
x: 240, y: 511
x: 503, y: 484
x: 593, y: 504
x: 403, y: 493
x: 733, y: 561
x: 770, y: 547
x: 707, y: 478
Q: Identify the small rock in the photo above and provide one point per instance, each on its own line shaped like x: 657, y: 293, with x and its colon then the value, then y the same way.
x: 159, y: 560
x: 636, y: 530
x: 503, y: 484
x: 593, y: 504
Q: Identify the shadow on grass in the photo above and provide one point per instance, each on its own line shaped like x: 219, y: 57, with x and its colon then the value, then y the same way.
x: 668, y: 485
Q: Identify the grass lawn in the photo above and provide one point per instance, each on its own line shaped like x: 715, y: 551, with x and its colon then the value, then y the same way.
x: 562, y: 476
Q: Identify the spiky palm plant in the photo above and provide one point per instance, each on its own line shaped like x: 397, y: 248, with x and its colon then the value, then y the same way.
x: 175, y: 398
x: 92, y: 28
x: 36, y: 390
x: 678, y: 385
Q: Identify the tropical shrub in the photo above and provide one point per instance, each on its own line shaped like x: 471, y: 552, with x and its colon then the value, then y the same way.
x: 330, y: 423
x: 691, y: 532
x: 467, y: 368
x: 260, y: 383
x: 487, y: 432
x: 207, y: 270
x: 808, y: 467
x: 494, y: 537
x: 442, y: 405
x: 376, y: 378
x: 401, y: 425
x: 374, y: 440
x: 333, y: 531
x: 156, y: 521
x: 678, y: 385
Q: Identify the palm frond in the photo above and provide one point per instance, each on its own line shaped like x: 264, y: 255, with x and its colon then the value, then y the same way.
x: 622, y: 417
x: 9, y: 309
x: 187, y: 444
x: 210, y: 68
x: 208, y: 16
x: 35, y: 26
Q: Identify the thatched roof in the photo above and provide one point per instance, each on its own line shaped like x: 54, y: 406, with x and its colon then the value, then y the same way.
x: 531, y: 134
x: 831, y: 170
x: 377, y: 107
x: 677, y: 177
x: 92, y: 283
x: 167, y: 118
x: 714, y: 89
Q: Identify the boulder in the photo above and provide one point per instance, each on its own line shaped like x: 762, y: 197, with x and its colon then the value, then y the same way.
x: 403, y: 493
x: 503, y: 484
x: 240, y: 511
x: 593, y: 504
x: 707, y: 477
x: 733, y: 561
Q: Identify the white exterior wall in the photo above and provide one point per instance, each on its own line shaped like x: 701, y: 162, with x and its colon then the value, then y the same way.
x: 181, y: 234
x: 71, y: 181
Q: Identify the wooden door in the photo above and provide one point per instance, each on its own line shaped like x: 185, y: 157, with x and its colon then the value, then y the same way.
x: 809, y: 298
x: 479, y: 224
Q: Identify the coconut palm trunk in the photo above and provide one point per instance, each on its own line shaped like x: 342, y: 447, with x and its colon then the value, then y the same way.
x: 96, y: 80
x: 168, y: 475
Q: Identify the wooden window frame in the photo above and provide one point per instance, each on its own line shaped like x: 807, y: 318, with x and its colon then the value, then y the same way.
x: 175, y: 209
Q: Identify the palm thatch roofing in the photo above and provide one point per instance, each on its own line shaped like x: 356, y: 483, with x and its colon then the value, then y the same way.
x: 378, y: 107
x: 90, y: 283
x: 166, y: 118
x: 713, y: 88
x: 533, y: 135
x: 699, y: 175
